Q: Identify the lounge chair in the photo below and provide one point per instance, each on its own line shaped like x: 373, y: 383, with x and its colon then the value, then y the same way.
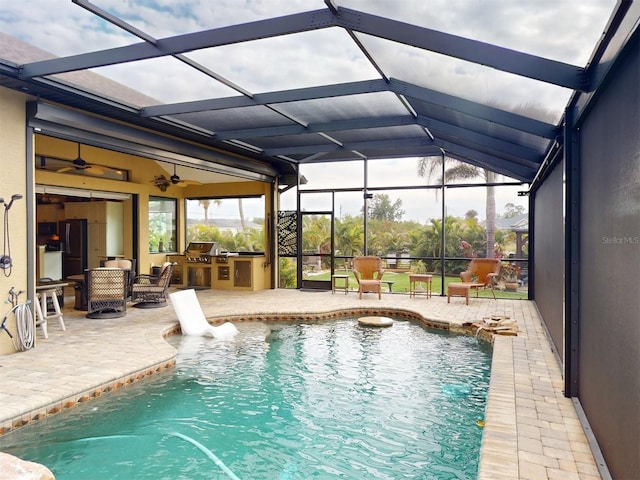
x: 192, y: 319
x: 368, y: 272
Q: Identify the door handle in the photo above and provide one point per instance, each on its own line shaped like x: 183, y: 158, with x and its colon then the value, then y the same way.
x: 68, y: 235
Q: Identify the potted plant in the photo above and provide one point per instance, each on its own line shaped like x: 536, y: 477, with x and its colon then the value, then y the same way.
x: 509, y: 273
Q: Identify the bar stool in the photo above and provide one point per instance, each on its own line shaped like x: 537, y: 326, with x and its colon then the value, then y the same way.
x: 42, y: 315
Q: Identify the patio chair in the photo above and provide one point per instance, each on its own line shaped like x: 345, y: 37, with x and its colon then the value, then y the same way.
x: 480, y: 273
x: 127, y: 264
x: 151, y: 292
x: 106, y: 293
x: 368, y: 272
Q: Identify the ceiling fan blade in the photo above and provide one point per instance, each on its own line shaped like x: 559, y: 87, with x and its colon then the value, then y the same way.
x: 186, y: 183
x: 64, y: 169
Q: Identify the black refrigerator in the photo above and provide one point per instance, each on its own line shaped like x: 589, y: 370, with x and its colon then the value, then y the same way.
x: 73, y: 240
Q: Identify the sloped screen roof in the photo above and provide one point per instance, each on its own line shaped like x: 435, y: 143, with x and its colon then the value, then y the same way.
x: 349, y: 80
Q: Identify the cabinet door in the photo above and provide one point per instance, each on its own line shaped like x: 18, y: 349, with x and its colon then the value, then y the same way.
x: 96, y: 244
x: 50, y: 213
x: 97, y: 212
x: 242, y: 273
x: 75, y: 210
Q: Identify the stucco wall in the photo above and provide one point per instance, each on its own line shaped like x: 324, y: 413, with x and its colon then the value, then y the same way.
x: 13, y: 175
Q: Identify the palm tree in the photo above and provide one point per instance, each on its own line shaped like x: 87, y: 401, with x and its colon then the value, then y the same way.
x: 205, y: 204
x: 349, y: 236
x: 427, y: 168
x: 243, y: 223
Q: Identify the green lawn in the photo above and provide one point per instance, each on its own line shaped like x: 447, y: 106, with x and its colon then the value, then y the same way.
x: 401, y: 283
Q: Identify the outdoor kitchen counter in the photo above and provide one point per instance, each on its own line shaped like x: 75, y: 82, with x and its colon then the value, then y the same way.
x: 240, y: 272
x: 232, y: 271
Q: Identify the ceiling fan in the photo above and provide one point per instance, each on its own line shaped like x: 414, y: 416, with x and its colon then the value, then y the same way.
x: 175, y: 179
x: 80, y: 164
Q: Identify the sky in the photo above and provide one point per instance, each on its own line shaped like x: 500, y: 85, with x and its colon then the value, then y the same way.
x: 563, y: 30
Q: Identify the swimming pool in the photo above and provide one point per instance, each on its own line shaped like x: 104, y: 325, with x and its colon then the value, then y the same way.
x: 325, y: 400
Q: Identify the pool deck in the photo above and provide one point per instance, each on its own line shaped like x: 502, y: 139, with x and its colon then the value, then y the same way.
x: 531, y: 430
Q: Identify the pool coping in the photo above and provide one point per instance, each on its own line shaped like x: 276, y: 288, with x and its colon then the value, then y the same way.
x: 527, y: 434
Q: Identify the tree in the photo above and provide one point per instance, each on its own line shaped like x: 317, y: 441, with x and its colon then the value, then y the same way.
x: 511, y: 210
x: 427, y: 240
x: 381, y: 208
x: 349, y: 236
x: 317, y: 234
x: 241, y: 213
x: 456, y: 170
x: 205, y: 204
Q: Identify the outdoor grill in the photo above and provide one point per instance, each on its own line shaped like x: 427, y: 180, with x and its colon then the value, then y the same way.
x: 201, y: 252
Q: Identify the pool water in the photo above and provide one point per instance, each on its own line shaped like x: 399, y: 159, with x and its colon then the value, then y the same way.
x: 307, y: 401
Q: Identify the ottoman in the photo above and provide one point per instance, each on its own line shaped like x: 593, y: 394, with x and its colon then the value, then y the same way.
x: 458, y: 289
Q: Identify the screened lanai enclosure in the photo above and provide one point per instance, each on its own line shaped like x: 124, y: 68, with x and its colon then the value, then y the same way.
x: 399, y: 216
x: 426, y: 133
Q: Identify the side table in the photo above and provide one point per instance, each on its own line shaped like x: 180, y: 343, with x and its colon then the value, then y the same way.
x: 415, y: 284
x: 340, y: 281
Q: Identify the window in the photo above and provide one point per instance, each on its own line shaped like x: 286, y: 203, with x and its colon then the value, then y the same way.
x: 236, y: 223
x: 162, y: 224
x: 79, y: 167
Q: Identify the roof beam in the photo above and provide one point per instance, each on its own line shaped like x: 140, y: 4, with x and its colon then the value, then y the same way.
x: 350, y: 155
x: 500, y: 58
x: 295, y: 23
x: 470, y: 155
x: 497, y: 168
x: 339, y: 125
x: 492, y: 114
x: 502, y: 167
x: 148, y: 38
x: 484, y: 112
x: 527, y: 155
x: 282, y: 96
x: 490, y: 162
x: 328, y: 147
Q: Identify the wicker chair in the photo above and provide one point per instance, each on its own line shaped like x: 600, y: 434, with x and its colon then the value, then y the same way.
x: 368, y: 272
x: 151, y: 292
x: 127, y: 264
x: 481, y: 273
x: 106, y: 293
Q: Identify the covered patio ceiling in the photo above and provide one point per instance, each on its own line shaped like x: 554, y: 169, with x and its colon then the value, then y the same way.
x: 391, y: 109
